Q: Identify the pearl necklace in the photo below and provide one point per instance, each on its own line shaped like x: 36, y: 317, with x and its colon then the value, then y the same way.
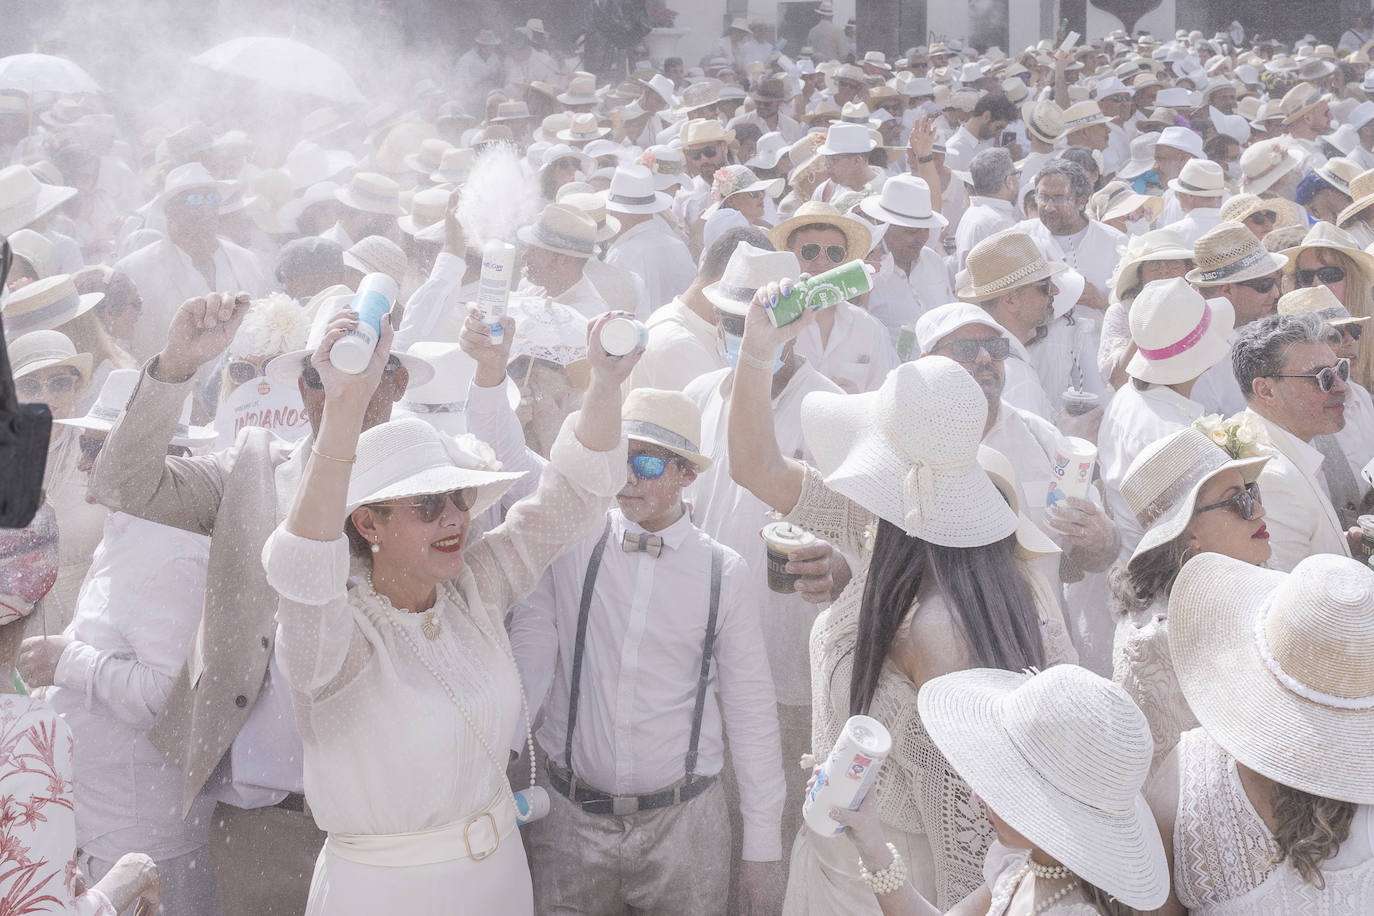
x: 453, y: 694
x: 1003, y: 899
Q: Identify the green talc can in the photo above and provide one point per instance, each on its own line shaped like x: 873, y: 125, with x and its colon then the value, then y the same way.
x: 823, y: 290
x: 906, y: 343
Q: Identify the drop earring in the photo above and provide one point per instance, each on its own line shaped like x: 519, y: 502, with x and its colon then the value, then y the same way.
x: 376, y: 547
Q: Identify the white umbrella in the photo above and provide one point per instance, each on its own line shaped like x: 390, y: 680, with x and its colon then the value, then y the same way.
x: 284, y: 64
x: 44, y: 73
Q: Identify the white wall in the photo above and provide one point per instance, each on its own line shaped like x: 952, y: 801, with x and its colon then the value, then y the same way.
x: 703, y: 18
x: 1158, y: 21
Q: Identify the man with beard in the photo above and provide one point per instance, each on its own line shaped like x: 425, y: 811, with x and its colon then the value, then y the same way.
x: 705, y: 148
x: 1064, y: 232
x: 990, y: 117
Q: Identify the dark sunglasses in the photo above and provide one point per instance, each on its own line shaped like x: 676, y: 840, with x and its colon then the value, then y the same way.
x: 1262, y: 216
x: 1326, y: 378
x: 311, y: 376
x: 91, y: 446
x: 29, y: 386
x: 1353, y: 330
x: 651, y: 467
x: 966, y: 351
x: 705, y: 152
x: 1262, y: 285
x: 242, y: 371
x: 1246, y: 503
x: 430, y: 506
x: 1323, y: 275
x: 811, y: 251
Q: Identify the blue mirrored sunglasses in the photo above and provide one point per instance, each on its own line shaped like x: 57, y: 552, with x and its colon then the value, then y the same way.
x: 650, y: 467
x: 202, y: 199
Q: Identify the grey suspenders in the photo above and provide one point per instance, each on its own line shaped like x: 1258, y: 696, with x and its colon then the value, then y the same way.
x: 708, y: 645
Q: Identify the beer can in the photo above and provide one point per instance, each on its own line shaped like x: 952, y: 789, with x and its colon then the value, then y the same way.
x: 782, y: 539
x: 832, y: 287
x: 848, y: 773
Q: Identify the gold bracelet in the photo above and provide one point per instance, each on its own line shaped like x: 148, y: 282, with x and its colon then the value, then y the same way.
x: 753, y: 362
x: 321, y: 454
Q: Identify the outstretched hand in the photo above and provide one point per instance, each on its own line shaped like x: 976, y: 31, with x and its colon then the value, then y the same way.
x: 761, y: 338
x: 342, y: 386
x: 200, y: 331
x: 491, y: 356
x: 606, y: 367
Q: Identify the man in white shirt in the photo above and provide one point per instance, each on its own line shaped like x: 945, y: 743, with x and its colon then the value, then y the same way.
x: 705, y: 148
x: 1306, y: 119
x: 1295, y: 390
x: 480, y: 69
x: 1064, y: 231
x: 990, y: 208
x: 991, y: 115
x: 1201, y: 188
x: 646, y: 246
x: 769, y: 96
x: 557, y: 247
x: 846, y: 152
x: 913, y: 278
x: 641, y: 702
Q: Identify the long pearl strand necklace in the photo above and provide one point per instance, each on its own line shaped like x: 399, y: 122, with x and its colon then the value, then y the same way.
x: 453, y: 694
x: 1003, y: 898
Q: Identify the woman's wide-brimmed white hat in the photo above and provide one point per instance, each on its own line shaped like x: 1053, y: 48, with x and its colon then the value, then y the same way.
x: 1162, y: 484
x: 1200, y: 178
x: 1279, y: 669
x: 1155, y: 245
x: 37, y: 350
x: 1060, y: 755
x: 442, y: 401
x: 904, y: 201
x: 1264, y: 163
x: 1324, y: 235
x: 1229, y: 253
x: 908, y: 453
x: 1178, y: 334
x: 633, y: 190
x: 23, y: 198
x: 408, y: 457
x: 114, y: 397
x: 748, y: 269
x: 46, y: 304
x: 768, y: 150
x: 668, y: 419
x: 1002, y: 262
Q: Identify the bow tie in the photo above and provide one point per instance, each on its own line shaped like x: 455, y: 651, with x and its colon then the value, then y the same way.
x: 651, y: 544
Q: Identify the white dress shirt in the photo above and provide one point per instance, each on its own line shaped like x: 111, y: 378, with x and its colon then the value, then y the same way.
x: 984, y: 217
x: 1298, y: 510
x: 1095, y: 256
x: 858, y: 354
x: 1067, y: 356
x: 1196, y: 223
x: 655, y: 254
x: 682, y: 346
x: 1023, y: 388
x: 1356, y: 438
x: 961, y: 147
x: 641, y: 664
x: 899, y: 299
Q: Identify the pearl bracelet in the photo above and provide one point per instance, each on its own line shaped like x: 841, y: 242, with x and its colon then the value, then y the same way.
x: 888, y: 880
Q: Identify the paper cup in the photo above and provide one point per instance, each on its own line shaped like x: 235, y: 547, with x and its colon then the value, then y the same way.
x: 1071, y: 473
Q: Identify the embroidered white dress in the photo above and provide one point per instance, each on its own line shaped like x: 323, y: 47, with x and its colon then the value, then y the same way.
x: 1144, y: 667
x: 397, y: 720
x: 1224, y: 854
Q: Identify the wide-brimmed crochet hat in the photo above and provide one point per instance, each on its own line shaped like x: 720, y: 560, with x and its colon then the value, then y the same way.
x: 1162, y: 484
x: 286, y: 368
x: 1061, y: 755
x: 1229, y: 253
x: 45, y: 304
x: 409, y: 457
x: 114, y: 396
x: 1322, y: 301
x: 1279, y: 668
x: 377, y: 254
x: 37, y: 350
x: 857, y: 236
x: 908, y: 453
x: 904, y: 201
x: 1002, y: 262
x: 668, y: 419
x: 372, y: 192
x: 1178, y: 334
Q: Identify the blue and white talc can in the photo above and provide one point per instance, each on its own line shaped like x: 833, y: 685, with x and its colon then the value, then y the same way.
x: 531, y: 804
x: 848, y: 773
x: 494, y: 283
x: 622, y: 336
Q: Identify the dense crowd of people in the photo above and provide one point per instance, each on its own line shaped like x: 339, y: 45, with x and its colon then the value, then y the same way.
x: 562, y: 606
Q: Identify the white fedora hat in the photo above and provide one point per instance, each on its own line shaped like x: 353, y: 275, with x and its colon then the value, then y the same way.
x: 904, y: 201
x: 46, y: 304
x: 37, y: 350
x: 1060, y: 755
x: 908, y: 453
x: 442, y: 401
x: 1201, y: 178
x: 190, y: 177
x: 1279, y: 668
x: 842, y: 138
x: 428, y: 207
x: 1162, y: 484
x: 23, y: 198
x: 454, y: 166
x: 1181, y: 138
x: 372, y: 192
x: 562, y: 229
x: 1155, y: 245
x: 114, y: 397
x: 668, y: 419
x: 748, y: 269
x: 633, y: 190
x: 1178, y: 334
x: 409, y: 457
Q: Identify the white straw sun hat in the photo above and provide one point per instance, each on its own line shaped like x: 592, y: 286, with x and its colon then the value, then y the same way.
x: 908, y: 453
x: 1061, y: 756
x: 1279, y: 668
x: 904, y: 201
x: 408, y: 457
x: 1178, y: 334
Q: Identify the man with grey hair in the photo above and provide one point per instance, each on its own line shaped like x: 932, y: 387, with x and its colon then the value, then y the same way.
x: 1295, y: 389
x: 1064, y: 232
x: 990, y: 208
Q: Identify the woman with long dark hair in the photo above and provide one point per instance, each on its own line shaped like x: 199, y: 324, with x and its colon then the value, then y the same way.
x: 943, y: 586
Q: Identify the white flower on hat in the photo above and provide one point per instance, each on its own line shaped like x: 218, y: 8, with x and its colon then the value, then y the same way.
x: 1237, y: 435
x: 467, y: 451
x: 273, y: 325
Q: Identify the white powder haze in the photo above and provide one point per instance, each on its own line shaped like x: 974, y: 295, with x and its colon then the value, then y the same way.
x: 498, y: 198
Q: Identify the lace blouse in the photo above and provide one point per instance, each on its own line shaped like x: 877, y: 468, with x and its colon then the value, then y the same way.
x: 1144, y: 667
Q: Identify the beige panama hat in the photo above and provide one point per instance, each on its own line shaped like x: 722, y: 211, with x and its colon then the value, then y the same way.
x: 1155, y: 245
x: 1117, y: 200
x: 1241, y: 207
x: 1002, y: 262
x: 594, y: 205
x: 857, y: 236
x: 581, y: 91
x: 1200, y: 178
x: 1083, y: 114
x: 1178, y: 334
x: 377, y: 254
x: 1229, y: 253
x: 1322, y: 301
x: 1045, y: 121
x: 1362, y: 197
x: 908, y: 453
x: 668, y: 419
x: 46, y: 304
x: 372, y: 192
x: 583, y: 129
x: 1060, y: 755
x: 700, y: 131
x: 562, y: 229
x: 1162, y: 484
x: 114, y: 396
x: 23, y: 198
x: 1279, y: 668
x: 37, y: 350
x: 1299, y: 100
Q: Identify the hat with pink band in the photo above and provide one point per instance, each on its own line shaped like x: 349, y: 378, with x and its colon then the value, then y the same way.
x: 1178, y: 334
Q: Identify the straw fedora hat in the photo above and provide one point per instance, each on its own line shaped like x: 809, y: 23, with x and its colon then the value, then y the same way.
x: 114, y: 396
x: 1279, y: 668
x: 904, y: 201
x: 1299, y: 100
x: 668, y: 419
x: 1340, y: 171
x: 562, y: 229
x: 372, y: 192
x: 1002, y: 262
x: 1083, y: 114
x: 633, y: 191
x: 409, y: 457
x: 908, y: 453
x: 1178, y: 334
x: 1264, y: 163
x: 1362, y: 197
x: 1117, y: 200
x: 581, y: 91
x: 1060, y: 755
x: 748, y: 269
x: 1325, y: 236
x: 1155, y: 245
x: 700, y: 131
x: 1045, y: 122
x: 46, y: 304
x: 23, y: 198
x: 511, y: 111
x: 1243, y: 206
x: 37, y: 350
x: 442, y: 401
x: 857, y: 236
x: 377, y: 254
x: 1200, y: 178
x: 1321, y: 300
x: 1229, y: 253
x: 594, y: 205
x: 583, y: 129
x: 1162, y: 484
x: 824, y: 112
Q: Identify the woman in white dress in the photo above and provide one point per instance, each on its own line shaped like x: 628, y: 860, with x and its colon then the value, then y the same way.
x: 944, y: 585
x: 404, y: 685
x: 1267, y: 807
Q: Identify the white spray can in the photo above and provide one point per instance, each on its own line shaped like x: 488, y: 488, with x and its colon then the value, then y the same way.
x: 531, y: 804
x: 848, y: 773
x: 373, y: 301
x: 493, y: 287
